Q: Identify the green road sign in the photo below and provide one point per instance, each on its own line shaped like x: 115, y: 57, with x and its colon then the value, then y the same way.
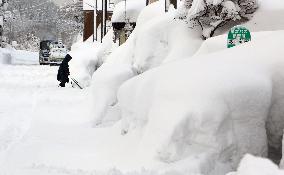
x: 238, y: 35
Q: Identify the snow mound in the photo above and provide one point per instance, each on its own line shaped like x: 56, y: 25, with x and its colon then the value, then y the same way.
x: 133, y: 8
x: 12, y: 56
x: 251, y: 165
x: 5, y: 56
x: 210, y: 110
x: 25, y: 57
x: 106, y: 81
x: 87, y: 57
x: 83, y: 63
x: 219, y: 43
x: 154, y: 42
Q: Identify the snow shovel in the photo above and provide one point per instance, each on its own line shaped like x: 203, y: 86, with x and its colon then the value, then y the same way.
x: 76, y: 82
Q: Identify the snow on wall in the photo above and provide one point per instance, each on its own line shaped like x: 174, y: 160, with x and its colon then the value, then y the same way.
x: 210, y: 110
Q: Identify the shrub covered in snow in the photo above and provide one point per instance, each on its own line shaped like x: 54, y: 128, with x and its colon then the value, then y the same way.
x: 212, y: 14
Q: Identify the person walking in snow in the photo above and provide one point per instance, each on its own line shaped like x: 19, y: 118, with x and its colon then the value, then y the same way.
x: 63, y: 71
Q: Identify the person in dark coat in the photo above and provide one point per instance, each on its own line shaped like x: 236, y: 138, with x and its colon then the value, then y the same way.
x: 63, y: 71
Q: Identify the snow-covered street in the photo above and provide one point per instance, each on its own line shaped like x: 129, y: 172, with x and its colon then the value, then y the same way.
x: 33, y: 111
x: 159, y: 87
x: 45, y: 129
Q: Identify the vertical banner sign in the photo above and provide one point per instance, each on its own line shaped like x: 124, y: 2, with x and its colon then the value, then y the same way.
x: 238, y: 35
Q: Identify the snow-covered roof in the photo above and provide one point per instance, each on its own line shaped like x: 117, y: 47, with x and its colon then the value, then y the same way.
x: 133, y: 9
x: 91, y: 4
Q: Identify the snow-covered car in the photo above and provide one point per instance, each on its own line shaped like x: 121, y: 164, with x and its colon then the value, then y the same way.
x: 57, y: 55
x: 44, y: 52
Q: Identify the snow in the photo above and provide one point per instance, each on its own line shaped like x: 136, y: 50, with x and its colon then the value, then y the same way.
x: 165, y: 102
x: 254, y: 165
x: 12, y: 56
x: 29, y: 57
x: 194, y: 115
x: 196, y: 7
x: 32, y: 132
x: 5, y: 57
x: 83, y: 61
x: 213, y: 105
x: 106, y: 81
x: 266, y: 17
x: 281, y: 164
x: 219, y: 42
x: 153, y: 42
x: 151, y: 11
x: 155, y: 38
x: 132, y: 7
x: 88, y: 56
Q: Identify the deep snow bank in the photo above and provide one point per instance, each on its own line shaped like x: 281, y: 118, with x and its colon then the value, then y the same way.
x: 12, y: 56
x: 25, y: 57
x: 158, y: 38
x: 210, y: 110
x: 84, y: 60
x: 107, y: 80
x: 88, y: 56
x: 219, y: 43
x: 155, y: 41
x: 5, y: 56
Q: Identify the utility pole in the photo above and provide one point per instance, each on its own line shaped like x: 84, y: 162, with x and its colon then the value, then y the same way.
x: 103, y: 19
x: 95, y: 35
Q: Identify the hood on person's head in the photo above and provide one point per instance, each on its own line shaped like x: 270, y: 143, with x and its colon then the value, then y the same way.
x: 68, y: 58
